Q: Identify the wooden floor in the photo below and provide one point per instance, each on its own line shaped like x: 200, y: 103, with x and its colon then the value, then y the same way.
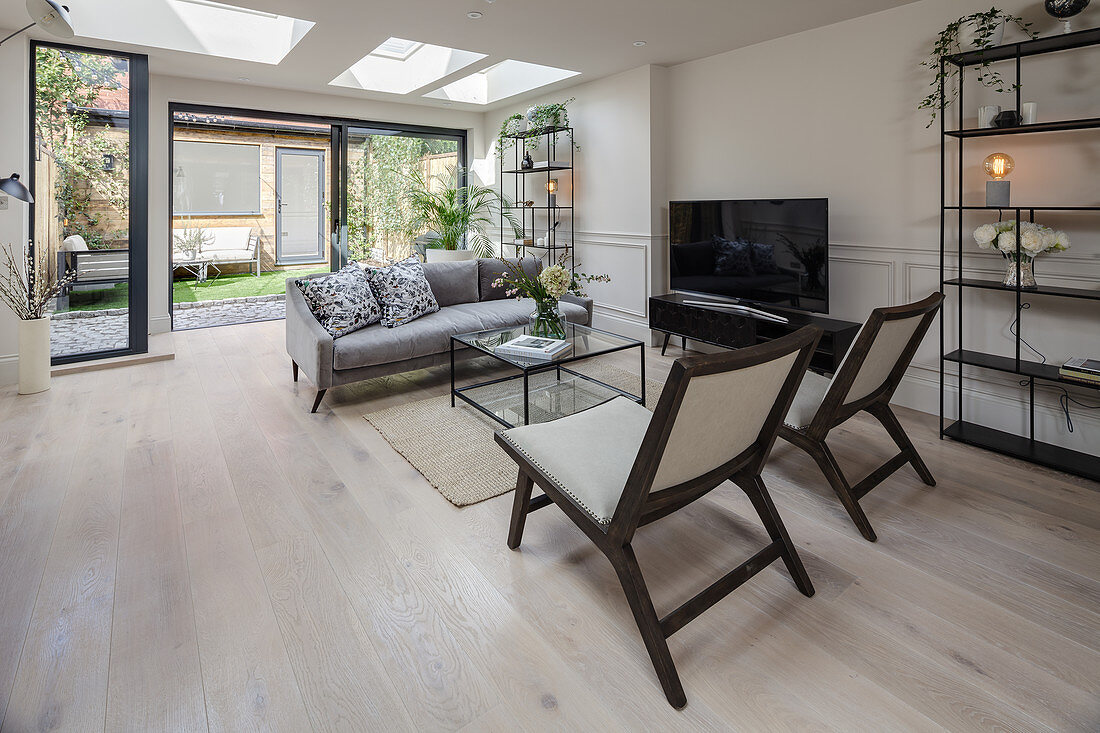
x: 184, y: 547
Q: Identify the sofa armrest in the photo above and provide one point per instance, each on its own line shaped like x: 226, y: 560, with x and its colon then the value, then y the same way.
x: 309, y: 345
x: 584, y: 302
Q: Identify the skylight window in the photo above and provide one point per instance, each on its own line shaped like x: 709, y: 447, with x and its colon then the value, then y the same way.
x: 396, y: 48
x: 399, y: 66
x: 193, y: 26
x: 503, y: 80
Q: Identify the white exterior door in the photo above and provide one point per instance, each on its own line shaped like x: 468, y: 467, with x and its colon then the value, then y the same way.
x: 300, y: 204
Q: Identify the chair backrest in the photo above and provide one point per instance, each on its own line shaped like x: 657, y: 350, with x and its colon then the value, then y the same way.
x: 880, y: 354
x: 717, y: 414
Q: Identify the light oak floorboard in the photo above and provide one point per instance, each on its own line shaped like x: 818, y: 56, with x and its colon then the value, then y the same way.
x: 184, y: 547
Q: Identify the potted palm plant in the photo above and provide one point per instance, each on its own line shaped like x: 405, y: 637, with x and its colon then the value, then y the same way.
x: 455, y: 217
x: 29, y: 301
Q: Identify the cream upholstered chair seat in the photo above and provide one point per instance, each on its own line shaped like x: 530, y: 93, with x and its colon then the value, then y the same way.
x: 616, y: 467
x: 588, y: 454
x: 806, y: 401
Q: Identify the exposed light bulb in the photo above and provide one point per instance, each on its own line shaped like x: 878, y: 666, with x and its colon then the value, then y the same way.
x: 998, y: 165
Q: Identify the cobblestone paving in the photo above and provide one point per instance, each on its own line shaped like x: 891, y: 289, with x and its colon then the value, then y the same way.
x: 79, y: 332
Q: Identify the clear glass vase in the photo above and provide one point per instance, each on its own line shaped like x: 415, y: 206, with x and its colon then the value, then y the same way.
x: 547, y: 321
x: 1027, y: 272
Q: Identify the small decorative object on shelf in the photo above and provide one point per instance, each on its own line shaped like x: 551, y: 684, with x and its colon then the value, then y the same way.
x: 1030, y: 113
x: 998, y: 165
x: 1063, y: 10
x: 987, y: 113
x: 1035, y: 239
x: 1007, y: 118
x: 977, y: 31
x: 527, y: 163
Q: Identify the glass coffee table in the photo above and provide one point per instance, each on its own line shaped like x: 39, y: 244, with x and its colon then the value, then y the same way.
x: 543, y: 389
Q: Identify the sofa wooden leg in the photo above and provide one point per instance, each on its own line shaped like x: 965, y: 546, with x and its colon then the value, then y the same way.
x: 294, y: 369
x: 317, y: 402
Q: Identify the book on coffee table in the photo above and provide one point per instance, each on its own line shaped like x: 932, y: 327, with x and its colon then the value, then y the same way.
x: 534, y: 347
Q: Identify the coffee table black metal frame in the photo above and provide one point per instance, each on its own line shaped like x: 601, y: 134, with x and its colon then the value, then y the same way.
x: 532, y: 368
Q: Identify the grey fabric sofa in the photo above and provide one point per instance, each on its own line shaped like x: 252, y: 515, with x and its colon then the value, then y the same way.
x: 467, y: 303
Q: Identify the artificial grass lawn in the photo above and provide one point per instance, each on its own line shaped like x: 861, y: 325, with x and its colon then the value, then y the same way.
x: 237, y: 285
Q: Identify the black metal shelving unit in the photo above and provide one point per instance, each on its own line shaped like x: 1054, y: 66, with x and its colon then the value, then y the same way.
x: 556, y: 239
x: 961, y: 429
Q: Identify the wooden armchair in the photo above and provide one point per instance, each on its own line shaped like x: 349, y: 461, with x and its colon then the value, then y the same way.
x: 616, y: 467
x: 865, y: 381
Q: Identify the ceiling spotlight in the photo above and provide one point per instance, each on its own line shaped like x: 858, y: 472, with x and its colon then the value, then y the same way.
x: 639, y: 43
x: 474, y: 14
x: 243, y: 78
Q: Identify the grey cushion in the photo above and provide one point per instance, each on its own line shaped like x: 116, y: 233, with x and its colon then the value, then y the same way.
x: 453, y: 282
x: 806, y: 401
x: 431, y: 334
x: 402, y: 291
x: 489, y: 269
x: 341, y: 302
x: 589, y: 454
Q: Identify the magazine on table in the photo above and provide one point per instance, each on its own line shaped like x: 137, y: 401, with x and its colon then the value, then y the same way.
x: 534, y: 347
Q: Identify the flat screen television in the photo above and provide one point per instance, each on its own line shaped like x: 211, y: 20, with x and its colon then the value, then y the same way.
x: 761, y: 251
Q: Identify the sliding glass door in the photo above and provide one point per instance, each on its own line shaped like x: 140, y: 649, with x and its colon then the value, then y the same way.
x: 381, y: 164
x: 89, y: 178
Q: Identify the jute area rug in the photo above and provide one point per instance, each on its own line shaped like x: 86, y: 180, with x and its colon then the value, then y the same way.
x: 453, y: 447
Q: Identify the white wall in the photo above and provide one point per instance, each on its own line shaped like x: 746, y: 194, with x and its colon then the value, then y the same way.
x: 13, y: 159
x: 831, y: 112
x: 618, y: 182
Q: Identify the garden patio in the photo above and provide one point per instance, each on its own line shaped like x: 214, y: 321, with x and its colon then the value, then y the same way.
x: 96, y: 320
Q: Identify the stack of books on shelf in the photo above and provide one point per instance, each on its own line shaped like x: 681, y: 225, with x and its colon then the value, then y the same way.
x: 534, y: 347
x: 1086, y: 371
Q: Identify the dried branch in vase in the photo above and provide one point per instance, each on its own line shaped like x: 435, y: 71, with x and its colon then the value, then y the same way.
x: 26, y: 302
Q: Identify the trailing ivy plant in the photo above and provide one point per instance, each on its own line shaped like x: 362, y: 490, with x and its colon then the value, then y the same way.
x: 539, y: 117
x: 985, y: 25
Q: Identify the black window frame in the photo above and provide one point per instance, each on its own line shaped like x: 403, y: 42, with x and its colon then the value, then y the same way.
x: 138, y: 224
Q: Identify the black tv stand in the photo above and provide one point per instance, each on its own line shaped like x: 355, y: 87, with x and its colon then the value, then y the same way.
x: 719, y: 326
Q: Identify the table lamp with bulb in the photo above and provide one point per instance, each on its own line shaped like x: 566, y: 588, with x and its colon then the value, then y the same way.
x: 998, y: 165
x: 551, y: 192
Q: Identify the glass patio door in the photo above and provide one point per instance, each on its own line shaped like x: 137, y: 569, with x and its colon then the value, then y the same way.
x: 380, y: 164
x: 300, y: 205
x: 89, y: 177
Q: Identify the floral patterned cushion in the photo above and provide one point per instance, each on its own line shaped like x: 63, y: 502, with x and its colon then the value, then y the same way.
x: 341, y: 302
x: 403, y: 291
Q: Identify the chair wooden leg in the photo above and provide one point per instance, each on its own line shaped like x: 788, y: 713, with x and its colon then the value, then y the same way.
x: 827, y: 462
x: 762, y: 501
x: 294, y: 369
x: 520, y: 505
x: 889, y: 420
x: 317, y: 402
x: 637, y: 595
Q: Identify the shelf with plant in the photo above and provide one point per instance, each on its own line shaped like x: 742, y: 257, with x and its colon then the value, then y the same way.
x: 531, y: 127
x: 980, y: 32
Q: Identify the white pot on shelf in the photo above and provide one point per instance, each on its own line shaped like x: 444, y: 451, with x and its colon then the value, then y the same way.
x: 34, y: 355
x: 450, y: 255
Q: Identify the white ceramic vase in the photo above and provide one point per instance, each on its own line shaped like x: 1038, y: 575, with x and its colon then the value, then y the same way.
x: 450, y: 255
x: 34, y: 356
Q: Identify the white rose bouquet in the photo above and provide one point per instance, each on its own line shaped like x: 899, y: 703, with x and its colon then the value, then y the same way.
x: 1025, y: 239
x: 546, y: 290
